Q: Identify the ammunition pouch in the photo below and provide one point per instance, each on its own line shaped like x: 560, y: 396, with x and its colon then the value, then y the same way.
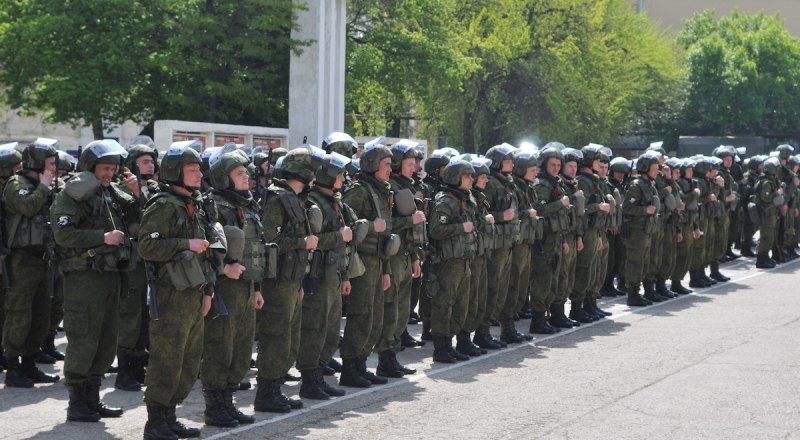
x: 671, y: 202
x: 754, y: 213
x: 271, y: 261
x: 30, y: 231
x: 185, y: 271
x: 404, y: 202
x: 325, y: 264
x: 293, y: 265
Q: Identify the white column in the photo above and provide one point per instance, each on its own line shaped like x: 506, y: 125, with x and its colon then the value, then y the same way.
x: 316, y: 77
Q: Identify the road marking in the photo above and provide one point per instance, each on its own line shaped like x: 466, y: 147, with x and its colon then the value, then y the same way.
x: 425, y: 374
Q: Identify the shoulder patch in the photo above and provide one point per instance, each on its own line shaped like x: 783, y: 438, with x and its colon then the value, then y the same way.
x: 442, y: 219
x: 155, y: 235
x: 23, y: 192
x: 63, y: 220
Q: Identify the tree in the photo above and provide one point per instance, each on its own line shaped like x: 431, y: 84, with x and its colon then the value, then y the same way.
x: 743, y: 75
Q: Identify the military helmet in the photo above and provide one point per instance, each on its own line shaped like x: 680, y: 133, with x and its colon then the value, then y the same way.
x: 353, y: 167
x: 657, y: 146
x: 716, y: 163
x: 702, y: 166
x: 65, y: 162
x: 276, y: 154
x: 784, y: 151
x: 453, y: 171
x: 522, y: 161
x: 141, y: 140
x: 102, y: 151
x: 177, y: 156
x: 646, y: 160
x: 35, y: 154
x: 499, y: 153
x: 137, y: 151
x: 277, y: 169
x: 220, y: 165
x: 591, y: 153
x: 300, y: 164
x: 794, y: 160
x: 673, y: 162
x: 341, y: 143
x: 771, y: 166
x: 333, y: 165
x: 436, y: 160
x: 9, y: 158
x: 724, y: 151
x: 373, y: 155
x: 619, y: 165
x: 403, y: 149
x: 481, y: 165
x: 555, y: 144
x: 572, y: 155
x: 259, y: 158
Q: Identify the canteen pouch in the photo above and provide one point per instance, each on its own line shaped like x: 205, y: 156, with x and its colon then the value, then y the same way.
x: 360, y: 229
x: 670, y: 201
x: 271, y: 266
x: 185, y: 271
x: 391, y: 245
x: 404, y: 202
x: 580, y: 205
x: 314, y: 218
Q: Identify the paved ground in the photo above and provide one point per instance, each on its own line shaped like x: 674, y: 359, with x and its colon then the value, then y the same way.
x: 722, y: 363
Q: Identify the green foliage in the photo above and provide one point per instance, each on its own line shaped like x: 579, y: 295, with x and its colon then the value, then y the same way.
x: 743, y: 73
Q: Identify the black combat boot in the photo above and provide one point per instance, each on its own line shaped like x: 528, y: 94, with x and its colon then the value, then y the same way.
x: 293, y: 403
x: 465, y: 346
x: 747, y: 249
x: 15, y: 377
x: 49, y: 347
x: 329, y: 389
x: 325, y: 369
x: 557, y: 317
x: 43, y: 358
x: 678, y: 288
x: 661, y: 289
x: 695, y: 281
x: 426, y: 331
x: 717, y: 275
x: 650, y: 292
x: 350, y: 376
x: 370, y: 376
x: 335, y: 365
x: 95, y: 404
x: 386, y: 367
x: 181, y: 430
x: 509, y: 334
x: 267, y: 397
x: 731, y: 255
x: 125, y: 380
x: 137, y: 367
x: 483, y: 339
x: 216, y: 414
x: 539, y: 324
x: 156, y: 427
x: 590, y: 309
x: 791, y: 253
x: 289, y: 377
x: 34, y: 373
x: 763, y: 262
x: 441, y: 350
x: 234, y: 412
x: 400, y: 367
x: 608, y: 289
x: 635, y: 299
x: 406, y: 340
x: 592, y: 305
x: 576, y: 313
x: 77, y: 409
x: 706, y: 278
x: 455, y: 353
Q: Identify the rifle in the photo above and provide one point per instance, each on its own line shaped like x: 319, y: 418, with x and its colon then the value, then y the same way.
x: 217, y: 303
x: 152, y: 286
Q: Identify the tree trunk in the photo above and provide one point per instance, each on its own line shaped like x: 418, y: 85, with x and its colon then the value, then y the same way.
x: 97, y: 127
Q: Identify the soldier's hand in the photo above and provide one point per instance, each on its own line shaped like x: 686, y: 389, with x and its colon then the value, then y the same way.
x: 696, y: 191
x: 311, y: 242
x: 579, y: 193
x: 651, y: 209
x: 258, y: 301
x: 599, y: 245
x: 712, y: 197
x: 697, y: 234
x: 730, y: 198
x: 379, y: 225
x: 490, y: 219
x: 784, y: 210
x: 387, y: 281
x: 565, y: 248
x: 131, y: 181
x: 416, y: 269
x: 233, y: 270
x: 604, y: 207
x: 417, y: 217
x: 114, y: 238
x: 467, y: 227
x: 347, y: 234
x: 532, y: 213
x: 508, y: 215
x: 679, y: 238
x: 206, y: 304
x: 46, y: 178
x: 198, y: 245
x: 681, y: 207
x: 565, y: 200
x: 669, y: 189
x: 579, y: 244
x: 346, y: 287
x: 720, y: 180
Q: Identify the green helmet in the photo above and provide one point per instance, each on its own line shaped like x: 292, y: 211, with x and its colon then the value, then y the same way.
x: 784, y: 151
x: 591, y: 153
x: 572, y: 155
x: 37, y: 152
x: 65, y: 162
x: 619, y: 165
x: 481, y: 165
x: 550, y: 151
x: 724, y: 151
x: 177, y: 156
x: 220, y: 165
x: 137, y: 151
x: 499, y: 153
x: 299, y: 164
x: 9, y: 158
x: 436, y: 160
x: 658, y: 147
x: 102, y: 151
x: 794, y: 160
x: 372, y: 157
x: 341, y: 143
x: 755, y: 162
x: 702, y: 166
x: 259, y: 158
x: 142, y: 140
x: 454, y: 170
x: 771, y: 166
x: 646, y: 160
x: 276, y: 154
x: 403, y: 149
x: 522, y: 161
x: 333, y: 165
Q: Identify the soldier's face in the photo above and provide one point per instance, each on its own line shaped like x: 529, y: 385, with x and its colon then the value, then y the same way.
x: 384, y: 169
x: 50, y: 165
x: 688, y: 172
x: 105, y: 172
x: 652, y: 172
x: 146, y: 165
x: 553, y: 166
x: 466, y: 182
x: 192, y: 176
x: 407, y: 167
x: 507, y: 166
x: 727, y: 162
x: 619, y: 176
x: 240, y: 178
x: 602, y: 169
x: 571, y: 169
x: 530, y: 174
x: 481, y: 181
x: 339, y: 182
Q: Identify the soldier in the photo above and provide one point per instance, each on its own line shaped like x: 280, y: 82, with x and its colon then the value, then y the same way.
x: 90, y: 218
x: 649, y: 283
x: 26, y: 199
x: 573, y: 236
x: 640, y: 207
x: 329, y: 278
x: 786, y: 227
x: 727, y: 203
x: 453, y: 243
x: 10, y: 163
x: 687, y: 223
x: 673, y: 213
x: 174, y: 236
x: 286, y: 224
x: 750, y: 178
x: 607, y: 221
x: 703, y: 174
x: 770, y: 198
x: 618, y: 176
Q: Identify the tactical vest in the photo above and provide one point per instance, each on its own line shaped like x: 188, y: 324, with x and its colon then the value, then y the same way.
x: 649, y: 197
x: 28, y: 232
x: 531, y: 229
x: 254, y: 257
x: 461, y: 245
x: 293, y: 264
x: 374, y: 243
x: 560, y: 221
x: 596, y: 219
x: 328, y: 264
x: 506, y: 234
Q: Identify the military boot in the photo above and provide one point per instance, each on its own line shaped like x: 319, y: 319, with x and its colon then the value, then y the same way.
x: 95, y: 404
x: 406, y: 340
x: 623, y: 290
x: 590, y: 310
x: 455, y: 353
x: 330, y: 390
x: 650, y: 292
x: 385, y: 365
x: 293, y: 403
x: 635, y: 299
x: 181, y: 430
x: 350, y: 376
x: 483, y: 339
x: 325, y: 369
x: 77, y: 409
x: 43, y: 358
x: 441, y: 350
x: 156, y: 427
x: 695, y: 281
x: 717, y: 275
x: 426, y: 331
x: 215, y: 413
x: 34, y: 373
x: 608, y: 289
x: 678, y: 288
x: 576, y: 313
x: 539, y: 324
x: 137, y: 368
x: 15, y: 377
x: 509, y: 334
x: 267, y: 397
x: 370, y: 376
x: 49, y: 347
x: 234, y: 412
x: 706, y: 278
x: 465, y: 346
x: 335, y: 365
x: 125, y: 380
x: 791, y: 252
x: 400, y: 367
x: 557, y: 317
x: 592, y: 305
x: 747, y: 249
x: 661, y: 289
x: 762, y: 262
